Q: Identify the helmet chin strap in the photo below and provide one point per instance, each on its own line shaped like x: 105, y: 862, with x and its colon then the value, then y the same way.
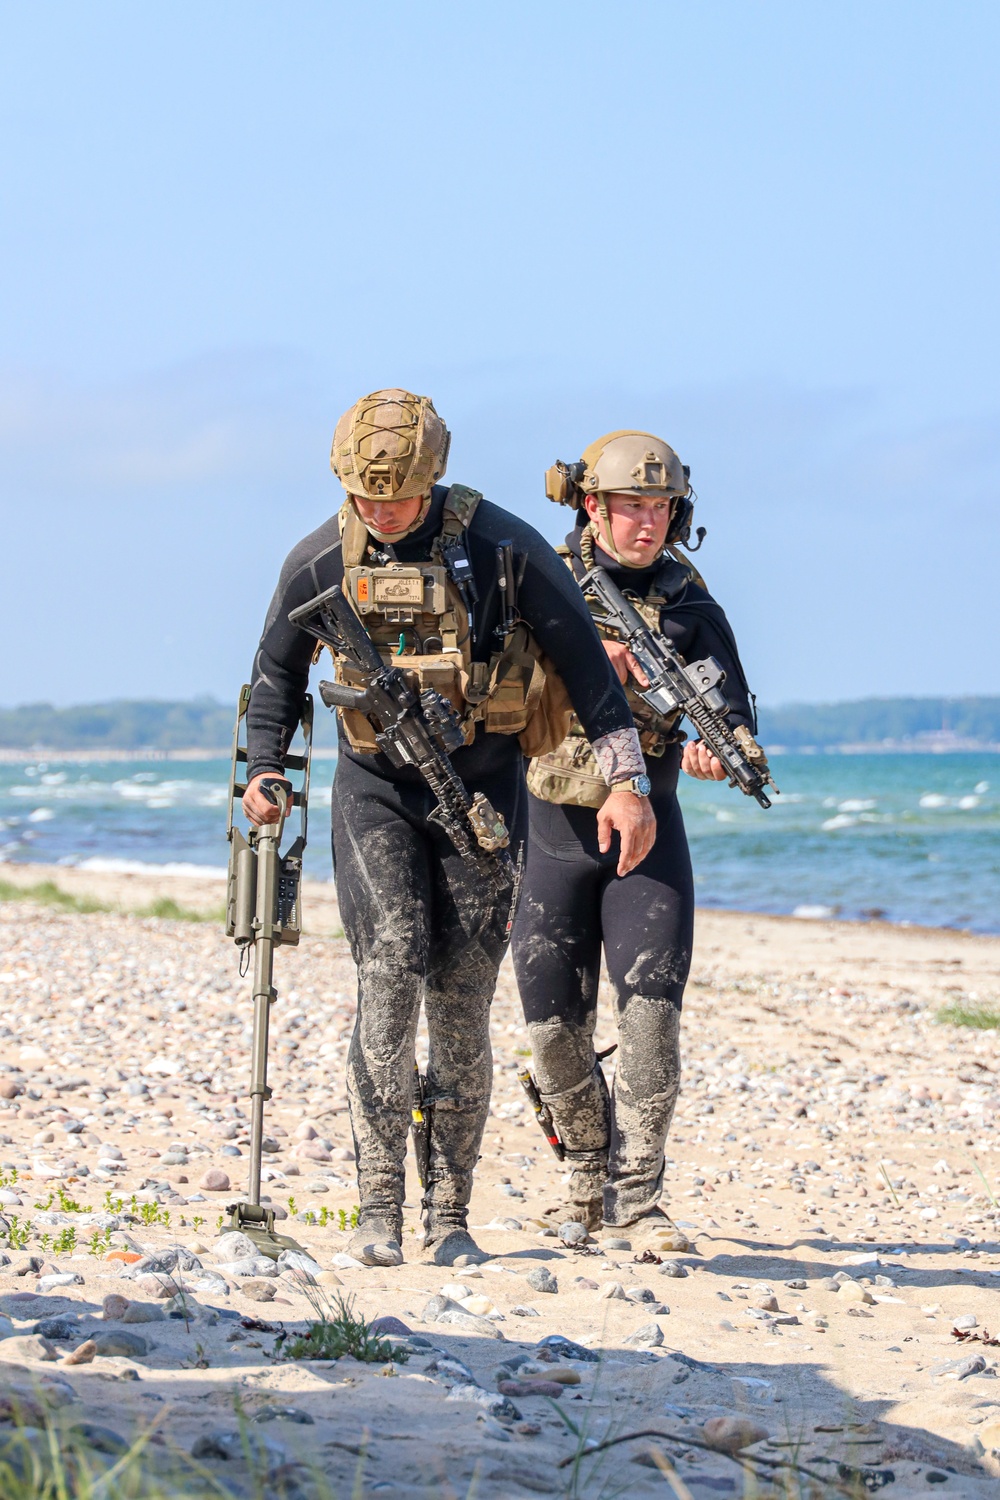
x: 394, y: 536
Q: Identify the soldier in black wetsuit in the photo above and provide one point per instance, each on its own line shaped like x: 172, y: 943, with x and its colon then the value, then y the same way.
x: 418, y: 561
x: 633, y: 504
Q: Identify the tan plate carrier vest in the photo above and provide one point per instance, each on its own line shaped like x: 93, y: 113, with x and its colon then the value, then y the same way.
x: 569, y: 774
x: 417, y: 617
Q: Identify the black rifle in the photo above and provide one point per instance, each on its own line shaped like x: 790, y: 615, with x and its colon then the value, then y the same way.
x: 692, y: 688
x: 412, y: 729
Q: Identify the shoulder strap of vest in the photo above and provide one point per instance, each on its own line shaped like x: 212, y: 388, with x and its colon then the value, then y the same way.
x: 353, y: 535
x: 685, y: 562
x: 460, y: 505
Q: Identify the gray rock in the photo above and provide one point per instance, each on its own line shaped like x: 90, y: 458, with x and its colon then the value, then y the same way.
x: 28, y: 1346
x: 494, y: 1405
x: 563, y: 1348
x: 118, y: 1342
x: 970, y: 1367
x: 649, y: 1336
x: 437, y: 1305
x: 260, y: 1265
x: 521, y: 1310
x: 462, y: 1319
x: 573, y: 1234
x: 59, y: 1328
x: 174, y: 1159
x: 541, y: 1279
x: 143, y: 1312
x: 616, y: 1243
x: 388, y: 1325
x: 101, y: 1439
x: 284, y: 1414
x: 59, y: 1278
x: 298, y: 1260
x: 641, y: 1294
x: 260, y: 1450
x: 673, y: 1268
x: 964, y: 1321
x: 450, y: 1367
x: 259, y: 1291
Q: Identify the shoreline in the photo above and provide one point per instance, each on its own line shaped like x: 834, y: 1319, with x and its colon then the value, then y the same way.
x: 202, y: 890
x: 13, y: 755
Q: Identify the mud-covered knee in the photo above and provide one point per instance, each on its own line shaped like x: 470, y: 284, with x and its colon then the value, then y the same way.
x: 563, y: 1054
x: 649, y: 1058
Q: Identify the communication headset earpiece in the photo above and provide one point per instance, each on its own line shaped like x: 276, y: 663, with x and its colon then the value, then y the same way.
x: 562, y: 483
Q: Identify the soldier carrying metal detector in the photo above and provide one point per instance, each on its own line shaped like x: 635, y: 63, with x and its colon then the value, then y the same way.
x: 263, y: 912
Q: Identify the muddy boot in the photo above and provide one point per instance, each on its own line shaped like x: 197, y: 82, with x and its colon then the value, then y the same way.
x: 377, y: 1241
x: 584, y: 1203
x: 654, y: 1231
x: 645, y: 1092
x: 572, y: 1084
x: 448, y: 1244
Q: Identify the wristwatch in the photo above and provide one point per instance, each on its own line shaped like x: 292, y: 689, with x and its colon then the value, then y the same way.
x: 640, y: 785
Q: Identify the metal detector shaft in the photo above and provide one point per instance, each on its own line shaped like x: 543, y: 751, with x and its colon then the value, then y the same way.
x: 264, y: 993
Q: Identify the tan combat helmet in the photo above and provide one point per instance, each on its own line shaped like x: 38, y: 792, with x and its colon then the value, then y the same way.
x: 625, y: 462
x: 390, y: 445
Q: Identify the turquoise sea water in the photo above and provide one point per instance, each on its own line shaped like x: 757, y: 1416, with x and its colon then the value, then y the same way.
x: 911, y: 838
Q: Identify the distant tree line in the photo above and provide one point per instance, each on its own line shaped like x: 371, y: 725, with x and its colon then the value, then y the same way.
x: 872, y: 721
x: 204, y: 724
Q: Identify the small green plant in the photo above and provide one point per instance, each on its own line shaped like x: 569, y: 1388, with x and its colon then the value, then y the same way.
x: 45, y: 1241
x: 219, y: 1222
x: 168, y: 909
x: 345, y: 1220
x: 18, y: 1232
x: 337, y: 1331
x: 67, y: 1205
x: 292, y: 1209
x: 197, y: 1222
x: 99, y: 1243
x: 113, y: 1205
x: 8, y: 1178
x: 47, y: 893
x: 65, y: 1240
x: 981, y: 1014
x: 152, y: 1213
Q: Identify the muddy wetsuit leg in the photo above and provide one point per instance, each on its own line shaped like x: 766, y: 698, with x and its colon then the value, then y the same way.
x: 573, y: 903
x: 423, y: 924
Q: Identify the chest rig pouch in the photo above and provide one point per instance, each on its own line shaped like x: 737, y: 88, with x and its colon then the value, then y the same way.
x: 420, y: 616
x: 569, y: 774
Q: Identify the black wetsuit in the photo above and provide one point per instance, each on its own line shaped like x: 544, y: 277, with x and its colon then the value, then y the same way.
x: 421, y: 922
x: 574, y: 903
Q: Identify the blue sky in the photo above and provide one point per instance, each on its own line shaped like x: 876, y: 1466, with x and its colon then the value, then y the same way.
x: 768, y: 232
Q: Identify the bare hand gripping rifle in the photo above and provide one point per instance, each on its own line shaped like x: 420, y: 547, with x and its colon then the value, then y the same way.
x: 263, y: 911
x: 412, y: 729
x: 691, y: 687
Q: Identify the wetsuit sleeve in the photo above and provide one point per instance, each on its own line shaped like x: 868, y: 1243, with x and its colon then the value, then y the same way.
x: 697, y: 627
x: 281, y: 667
x: 551, y: 604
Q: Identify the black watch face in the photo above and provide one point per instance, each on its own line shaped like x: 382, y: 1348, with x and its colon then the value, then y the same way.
x: 643, y: 785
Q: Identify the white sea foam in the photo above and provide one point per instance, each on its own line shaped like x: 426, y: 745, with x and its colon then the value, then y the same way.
x: 842, y: 820
x: 183, y: 871
x: 815, y: 913
x: 857, y: 805
x: 933, y: 799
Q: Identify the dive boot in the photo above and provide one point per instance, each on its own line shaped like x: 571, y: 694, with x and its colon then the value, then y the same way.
x: 448, y: 1242
x: 585, y: 1203
x: 654, y: 1231
x: 377, y: 1241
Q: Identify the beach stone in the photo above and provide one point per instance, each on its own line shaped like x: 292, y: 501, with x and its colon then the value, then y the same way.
x: 263, y: 1451
x: 58, y: 1279
x: 311, y: 1150
x: 28, y: 1346
x: 573, y: 1234
x: 522, y: 1310
x: 174, y: 1159
x: 259, y: 1291
x: 58, y: 1328
x: 119, y: 1343
x: 101, y: 1439
x: 766, y: 1302
x: 965, y: 1322
x: 298, y: 1260
x: 541, y: 1279
x: 731, y: 1434
x: 258, y: 1265
x: 115, y: 1307
x: 530, y: 1388
x: 641, y: 1294
x: 284, y: 1414
x: 673, y: 1268
x: 305, y: 1131
x: 853, y: 1291
x: 143, y: 1312
x: 215, y: 1180
x: 437, y: 1305
x: 234, y: 1246
x: 555, y: 1346
x: 649, y: 1336
x: 328, y: 1278
x: 158, y: 1286
x: 83, y: 1354
x: 317, y: 1185
x: 388, y: 1325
